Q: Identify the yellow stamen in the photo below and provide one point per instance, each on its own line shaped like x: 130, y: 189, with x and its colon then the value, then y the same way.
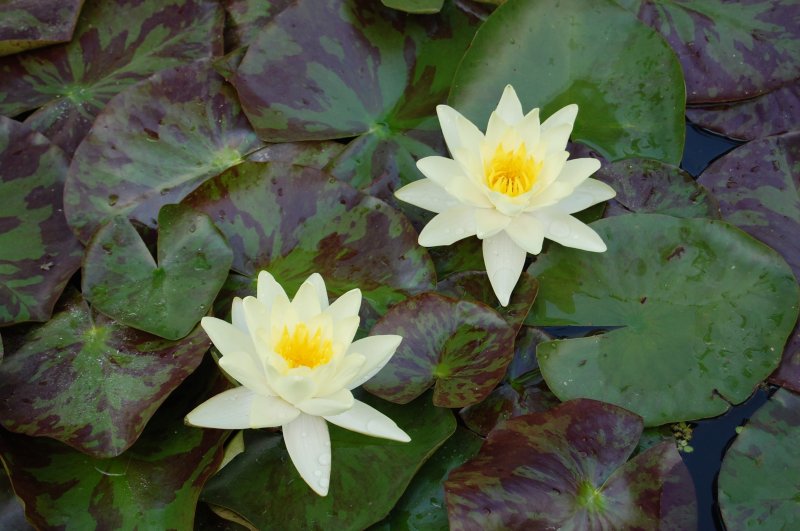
x: 512, y: 172
x: 299, y: 347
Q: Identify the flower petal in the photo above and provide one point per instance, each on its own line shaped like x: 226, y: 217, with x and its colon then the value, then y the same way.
x: 489, y: 222
x: 569, y: 231
x: 333, y: 404
x: 306, y: 302
x: 509, y: 108
x: 588, y: 193
x: 344, y: 330
x: 565, y: 115
x: 237, y: 315
x: 229, y: 339
x: 347, y: 369
x: 530, y: 129
x: 322, y: 292
x: 458, y: 131
x: 362, y: 418
x: 448, y: 227
x: 257, y: 317
x: 440, y: 170
x: 555, y: 139
x: 346, y: 305
x: 576, y: 171
x: 426, y: 194
x: 504, y: 260
x: 309, y: 446
x: 268, y: 289
x: 377, y: 350
x: 294, y: 388
x: 247, y: 371
x: 527, y: 232
x: 241, y: 408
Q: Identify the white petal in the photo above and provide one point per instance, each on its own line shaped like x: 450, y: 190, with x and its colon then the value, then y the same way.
x: 228, y: 339
x: 246, y: 371
x: 362, y: 418
x: 509, y: 108
x: 458, y: 131
x: 345, y: 330
x: 576, y: 171
x: 555, y: 139
x: 346, y: 305
x: 322, y: 292
x: 468, y: 192
x: 333, y: 404
x: 440, y: 170
x: 268, y: 289
x: 448, y: 227
x: 489, y: 222
x: 565, y: 115
x: 377, y: 350
x: 504, y: 260
x: 257, y: 318
x: 292, y: 387
x: 237, y: 315
x: 426, y: 194
x: 530, y: 129
x: 309, y: 446
x: 527, y: 232
x: 569, y: 231
x: 552, y: 168
x: 588, y: 193
x: 306, y: 302
x: 345, y: 372
x: 241, y: 408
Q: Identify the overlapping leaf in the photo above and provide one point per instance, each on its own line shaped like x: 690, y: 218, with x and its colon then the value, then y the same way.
x: 415, y: 6
x: 704, y: 312
x: 246, y: 19
x: 166, y: 298
x: 153, y: 144
x: 27, y: 24
x: 90, y: 382
x: 566, y: 469
x: 38, y: 253
x: 624, y: 77
x: 459, y: 347
x: 758, y: 487
x: 368, y: 474
x: 116, y: 43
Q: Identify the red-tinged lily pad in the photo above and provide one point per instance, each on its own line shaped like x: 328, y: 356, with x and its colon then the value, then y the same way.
x: 415, y: 6
x: 566, y: 469
x: 758, y: 189
x: 116, y: 43
x: 154, y: 485
x: 625, y: 79
x: 758, y: 487
x: 460, y: 348
x: 38, y: 253
x: 294, y: 221
x: 27, y: 24
x: 521, y: 392
x: 153, y: 144
x: 89, y: 382
x: 246, y: 19
x: 652, y: 187
x: 167, y: 297
x: 728, y: 52
x: 701, y: 312
x: 769, y: 114
x: 368, y: 474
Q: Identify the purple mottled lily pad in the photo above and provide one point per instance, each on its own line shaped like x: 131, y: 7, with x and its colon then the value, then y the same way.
x: 728, y: 52
x: 293, y: 221
x: 315, y: 154
x: 566, y: 469
x: 650, y: 186
x: 769, y: 114
x: 758, y: 189
x: 26, y: 24
x: 38, y: 253
x: 758, y: 487
x: 153, y: 144
x: 460, y: 348
x: 89, y: 382
x: 167, y: 297
x: 246, y: 19
x: 116, y: 43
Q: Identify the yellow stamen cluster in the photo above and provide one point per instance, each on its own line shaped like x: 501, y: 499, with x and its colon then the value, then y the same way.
x: 300, y: 348
x: 511, y: 172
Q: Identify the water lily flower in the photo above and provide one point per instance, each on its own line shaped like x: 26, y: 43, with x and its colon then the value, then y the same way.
x: 512, y: 188
x: 297, y: 363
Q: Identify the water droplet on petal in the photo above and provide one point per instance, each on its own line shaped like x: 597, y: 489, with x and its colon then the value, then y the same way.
x: 318, y: 473
x: 324, y: 459
x: 304, y: 435
x: 373, y: 425
x: 323, y: 483
x: 559, y: 230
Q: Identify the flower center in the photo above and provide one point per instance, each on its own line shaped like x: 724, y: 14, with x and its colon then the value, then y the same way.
x: 300, y: 347
x: 512, y: 172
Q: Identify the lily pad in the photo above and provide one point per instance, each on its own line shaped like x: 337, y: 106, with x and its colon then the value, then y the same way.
x: 153, y: 144
x: 27, y: 24
x: 38, y: 253
x: 246, y: 19
x: 368, y: 476
x: 758, y: 486
x: 315, y: 154
x: 703, y: 311
x: 415, y: 6
x: 294, y: 221
x: 654, y: 187
x: 116, y: 43
x: 566, y: 469
x: 624, y: 77
x: 459, y: 347
x: 166, y: 298
x: 88, y: 381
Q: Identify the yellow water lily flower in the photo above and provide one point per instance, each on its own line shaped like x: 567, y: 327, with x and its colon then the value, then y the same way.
x: 297, y: 362
x: 512, y: 188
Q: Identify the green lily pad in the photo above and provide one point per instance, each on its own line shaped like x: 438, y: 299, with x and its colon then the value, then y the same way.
x: 154, y: 485
x: 624, y: 77
x: 294, y: 221
x: 461, y: 348
x: 166, y: 298
x: 704, y: 312
x: 368, y: 476
x: 27, y: 24
x: 566, y: 469
x: 315, y: 154
x: 38, y: 252
x: 88, y: 381
x: 415, y: 6
x: 464, y: 255
x: 116, y: 43
x: 758, y: 487
x: 728, y: 53
x: 652, y: 187
x: 153, y: 144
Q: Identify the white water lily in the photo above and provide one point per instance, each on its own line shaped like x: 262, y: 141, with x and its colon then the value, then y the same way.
x: 297, y: 362
x: 512, y: 188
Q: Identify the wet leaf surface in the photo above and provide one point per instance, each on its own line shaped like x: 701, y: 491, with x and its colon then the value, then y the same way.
x: 415, y: 6
x: 245, y: 19
x: 27, y: 24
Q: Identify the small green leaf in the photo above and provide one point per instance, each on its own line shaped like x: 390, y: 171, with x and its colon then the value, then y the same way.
x: 415, y: 6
